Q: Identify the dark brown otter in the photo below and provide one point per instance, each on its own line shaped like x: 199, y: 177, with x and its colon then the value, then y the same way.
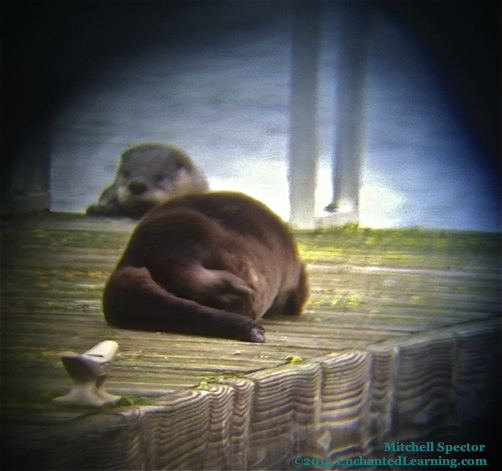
x: 207, y: 264
x: 148, y: 175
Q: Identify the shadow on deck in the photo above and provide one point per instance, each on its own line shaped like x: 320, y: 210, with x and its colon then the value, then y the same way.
x: 400, y: 342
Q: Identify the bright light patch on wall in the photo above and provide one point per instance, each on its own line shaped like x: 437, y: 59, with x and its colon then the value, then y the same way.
x: 380, y: 205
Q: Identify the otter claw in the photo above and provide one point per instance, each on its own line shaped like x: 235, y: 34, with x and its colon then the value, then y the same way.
x: 257, y: 335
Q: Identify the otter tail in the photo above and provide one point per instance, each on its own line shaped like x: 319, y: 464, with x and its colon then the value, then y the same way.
x: 132, y: 300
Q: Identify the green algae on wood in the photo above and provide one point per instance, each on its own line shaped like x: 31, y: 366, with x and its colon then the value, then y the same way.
x: 367, y: 286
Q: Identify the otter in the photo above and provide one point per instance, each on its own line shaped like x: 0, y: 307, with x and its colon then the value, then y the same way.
x: 149, y: 174
x: 207, y: 264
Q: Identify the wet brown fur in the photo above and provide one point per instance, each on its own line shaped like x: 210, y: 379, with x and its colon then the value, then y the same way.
x: 208, y: 264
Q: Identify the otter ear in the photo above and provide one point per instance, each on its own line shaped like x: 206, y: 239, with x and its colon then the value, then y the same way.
x: 180, y: 163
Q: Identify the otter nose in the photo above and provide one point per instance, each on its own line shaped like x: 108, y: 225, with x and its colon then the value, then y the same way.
x: 137, y: 187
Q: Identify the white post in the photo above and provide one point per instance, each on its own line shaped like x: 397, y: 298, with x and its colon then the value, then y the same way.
x: 303, y: 145
x: 351, y: 114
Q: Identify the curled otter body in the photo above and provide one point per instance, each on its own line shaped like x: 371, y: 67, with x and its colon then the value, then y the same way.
x: 207, y: 264
x: 148, y: 175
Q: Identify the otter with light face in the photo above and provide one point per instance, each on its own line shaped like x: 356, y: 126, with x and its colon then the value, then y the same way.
x: 148, y: 175
x: 207, y: 264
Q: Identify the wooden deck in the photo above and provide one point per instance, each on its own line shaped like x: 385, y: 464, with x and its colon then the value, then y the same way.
x: 400, y: 340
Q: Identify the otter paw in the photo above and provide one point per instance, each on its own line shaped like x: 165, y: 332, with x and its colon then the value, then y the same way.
x: 96, y: 209
x: 257, y: 335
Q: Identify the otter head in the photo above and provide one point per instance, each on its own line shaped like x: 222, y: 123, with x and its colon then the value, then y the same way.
x: 150, y: 174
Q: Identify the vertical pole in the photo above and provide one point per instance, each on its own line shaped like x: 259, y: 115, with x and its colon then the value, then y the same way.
x: 350, y: 111
x: 303, y: 144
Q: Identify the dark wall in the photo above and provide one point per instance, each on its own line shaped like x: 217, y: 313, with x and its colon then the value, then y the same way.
x: 49, y: 47
x: 463, y: 40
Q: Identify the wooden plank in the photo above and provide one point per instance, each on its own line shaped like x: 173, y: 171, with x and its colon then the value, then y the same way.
x: 369, y: 288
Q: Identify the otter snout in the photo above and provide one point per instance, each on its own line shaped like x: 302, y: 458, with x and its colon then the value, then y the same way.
x: 137, y: 187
